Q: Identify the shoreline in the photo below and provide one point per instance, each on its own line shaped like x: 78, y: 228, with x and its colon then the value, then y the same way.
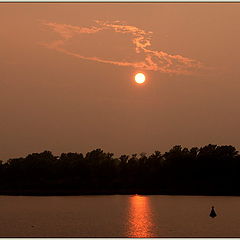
x: 102, y: 193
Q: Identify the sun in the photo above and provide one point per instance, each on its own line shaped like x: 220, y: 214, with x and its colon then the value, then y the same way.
x: 140, y: 78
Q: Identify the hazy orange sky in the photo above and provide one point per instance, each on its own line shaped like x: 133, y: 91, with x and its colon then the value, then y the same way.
x: 67, y: 76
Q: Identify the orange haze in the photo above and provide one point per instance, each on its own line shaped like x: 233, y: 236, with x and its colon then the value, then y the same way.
x: 67, y: 73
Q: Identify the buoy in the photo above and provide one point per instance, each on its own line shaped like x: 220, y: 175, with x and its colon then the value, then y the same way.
x: 212, y: 213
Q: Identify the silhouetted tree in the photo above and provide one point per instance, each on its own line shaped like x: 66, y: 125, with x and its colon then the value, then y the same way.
x: 211, y: 169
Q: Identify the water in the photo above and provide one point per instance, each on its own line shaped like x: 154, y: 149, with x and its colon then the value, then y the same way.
x: 119, y: 216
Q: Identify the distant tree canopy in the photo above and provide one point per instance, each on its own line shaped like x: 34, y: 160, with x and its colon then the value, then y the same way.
x: 207, y: 170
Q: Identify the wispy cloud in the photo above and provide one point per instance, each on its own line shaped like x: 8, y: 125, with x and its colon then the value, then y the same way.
x: 153, y: 60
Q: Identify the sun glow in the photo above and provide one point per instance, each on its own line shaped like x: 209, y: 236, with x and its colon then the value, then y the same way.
x: 140, y: 78
x: 140, y: 220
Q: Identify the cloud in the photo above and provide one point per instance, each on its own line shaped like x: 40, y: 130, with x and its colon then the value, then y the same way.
x: 153, y: 60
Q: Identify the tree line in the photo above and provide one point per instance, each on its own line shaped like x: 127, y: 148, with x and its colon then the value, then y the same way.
x: 208, y: 170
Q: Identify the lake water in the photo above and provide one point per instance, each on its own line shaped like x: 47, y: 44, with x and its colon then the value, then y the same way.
x: 119, y: 216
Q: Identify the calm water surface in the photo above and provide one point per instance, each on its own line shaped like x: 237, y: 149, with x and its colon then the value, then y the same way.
x: 119, y: 216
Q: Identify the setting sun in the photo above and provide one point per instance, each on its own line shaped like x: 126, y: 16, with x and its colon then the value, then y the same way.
x: 140, y: 78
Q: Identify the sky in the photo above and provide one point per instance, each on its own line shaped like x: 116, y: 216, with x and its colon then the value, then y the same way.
x: 67, y: 76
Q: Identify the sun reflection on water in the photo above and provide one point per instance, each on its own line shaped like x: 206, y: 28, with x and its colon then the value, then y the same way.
x: 140, y: 221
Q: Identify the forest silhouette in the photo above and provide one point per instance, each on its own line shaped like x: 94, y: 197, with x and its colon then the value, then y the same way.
x: 209, y: 170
